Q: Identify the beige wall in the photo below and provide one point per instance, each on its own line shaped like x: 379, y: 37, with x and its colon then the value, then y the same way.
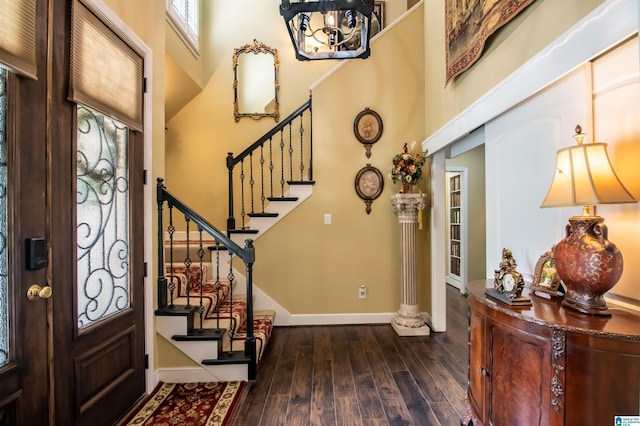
x: 187, y: 73
x: 320, y: 261
x: 533, y: 29
x: 200, y: 135
x: 320, y: 267
x: 196, y: 67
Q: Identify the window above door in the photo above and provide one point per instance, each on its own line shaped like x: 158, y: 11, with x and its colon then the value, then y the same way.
x: 184, y: 17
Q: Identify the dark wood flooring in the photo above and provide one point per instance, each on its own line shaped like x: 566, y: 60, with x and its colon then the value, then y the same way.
x: 362, y: 375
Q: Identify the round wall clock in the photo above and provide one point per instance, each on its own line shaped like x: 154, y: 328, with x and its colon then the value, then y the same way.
x: 368, y: 128
x: 369, y: 185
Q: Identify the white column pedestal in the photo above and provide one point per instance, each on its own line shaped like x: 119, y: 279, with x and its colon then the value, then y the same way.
x: 409, y: 322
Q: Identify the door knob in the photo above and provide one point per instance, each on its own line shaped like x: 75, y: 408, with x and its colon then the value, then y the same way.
x: 35, y: 292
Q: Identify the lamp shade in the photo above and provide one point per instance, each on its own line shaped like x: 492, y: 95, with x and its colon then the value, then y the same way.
x: 584, y: 177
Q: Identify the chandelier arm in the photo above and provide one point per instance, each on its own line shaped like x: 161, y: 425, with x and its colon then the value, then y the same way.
x: 348, y: 36
x: 313, y: 34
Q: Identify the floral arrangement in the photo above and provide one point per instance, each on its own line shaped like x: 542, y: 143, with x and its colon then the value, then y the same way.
x: 407, y: 166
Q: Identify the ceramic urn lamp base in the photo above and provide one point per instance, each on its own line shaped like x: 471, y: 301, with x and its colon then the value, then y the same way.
x: 588, y: 264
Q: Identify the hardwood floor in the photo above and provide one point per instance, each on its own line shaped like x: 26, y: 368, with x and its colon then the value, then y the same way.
x: 362, y: 375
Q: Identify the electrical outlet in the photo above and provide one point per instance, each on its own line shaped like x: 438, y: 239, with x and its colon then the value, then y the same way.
x: 362, y: 292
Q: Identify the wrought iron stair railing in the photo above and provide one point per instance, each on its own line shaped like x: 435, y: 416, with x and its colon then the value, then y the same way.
x: 266, y: 168
x: 194, y: 307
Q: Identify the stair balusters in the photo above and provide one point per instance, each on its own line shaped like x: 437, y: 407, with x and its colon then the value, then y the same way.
x: 253, y: 193
x: 186, y: 278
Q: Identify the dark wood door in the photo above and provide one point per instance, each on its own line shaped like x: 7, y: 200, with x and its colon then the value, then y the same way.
x: 23, y: 322
x: 98, y: 270
x: 97, y: 264
x: 71, y: 227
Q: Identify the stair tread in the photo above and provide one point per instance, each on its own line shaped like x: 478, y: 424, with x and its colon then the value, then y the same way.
x: 301, y: 182
x: 229, y: 329
x: 235, y: 357
x: 218, y: 247
x: 263, y: 214
x: 263, y: 324
x: 175, y: 310
x: 201, y: 334
x: 242, y: 231
x: 282, y: 198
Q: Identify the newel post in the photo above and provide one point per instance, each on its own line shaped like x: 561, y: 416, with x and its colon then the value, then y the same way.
x: 162, y: 280
x: 231, y: 221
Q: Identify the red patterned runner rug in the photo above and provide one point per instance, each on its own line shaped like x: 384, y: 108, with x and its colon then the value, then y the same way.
x: 191, y: 404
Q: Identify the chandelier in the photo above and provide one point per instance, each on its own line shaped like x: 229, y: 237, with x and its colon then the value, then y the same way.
x: 328, y: 29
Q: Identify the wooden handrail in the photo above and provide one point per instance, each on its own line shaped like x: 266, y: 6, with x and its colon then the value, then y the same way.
x: 284, y: 123
x: 265, y: 143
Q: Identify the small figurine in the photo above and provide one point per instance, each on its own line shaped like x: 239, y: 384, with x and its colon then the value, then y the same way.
x: 508, y: 282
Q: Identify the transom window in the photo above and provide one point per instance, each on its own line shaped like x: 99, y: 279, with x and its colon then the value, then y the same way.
x: 184, y: 17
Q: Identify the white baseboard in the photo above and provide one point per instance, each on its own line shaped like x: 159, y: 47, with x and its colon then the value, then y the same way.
x: 209, y: 373
x: 284, y: 318
x: 427, y: 320
x: 341, y: 319
x: 153, y: 378
x: 183, y: 375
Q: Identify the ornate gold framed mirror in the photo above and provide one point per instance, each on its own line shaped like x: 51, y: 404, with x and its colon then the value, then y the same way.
x: 255, y: 81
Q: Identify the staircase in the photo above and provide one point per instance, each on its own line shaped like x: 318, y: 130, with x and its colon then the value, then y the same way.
x: 206, y: 303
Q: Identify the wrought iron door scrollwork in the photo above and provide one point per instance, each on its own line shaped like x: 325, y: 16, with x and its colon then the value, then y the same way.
x: 102, y: 227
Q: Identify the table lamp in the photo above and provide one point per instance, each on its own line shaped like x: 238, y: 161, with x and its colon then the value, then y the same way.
x: 588, y: 263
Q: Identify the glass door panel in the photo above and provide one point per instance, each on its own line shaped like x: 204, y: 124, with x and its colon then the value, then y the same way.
x: 102, y: 209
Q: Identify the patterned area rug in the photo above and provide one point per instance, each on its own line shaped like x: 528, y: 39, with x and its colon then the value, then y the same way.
x: 191, y: 404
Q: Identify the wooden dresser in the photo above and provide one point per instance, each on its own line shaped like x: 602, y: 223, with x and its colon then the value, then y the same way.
x: 547, y: 365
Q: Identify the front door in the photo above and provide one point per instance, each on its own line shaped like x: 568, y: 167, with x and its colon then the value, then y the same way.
x: 23, y: 322
x: 97, y: 264
x: 96, y: 236
x: 71, y: 231
x: 24, y: 325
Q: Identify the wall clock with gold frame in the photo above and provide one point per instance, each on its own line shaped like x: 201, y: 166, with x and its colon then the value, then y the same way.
x: 368, y: 128
x: 369, y: 185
